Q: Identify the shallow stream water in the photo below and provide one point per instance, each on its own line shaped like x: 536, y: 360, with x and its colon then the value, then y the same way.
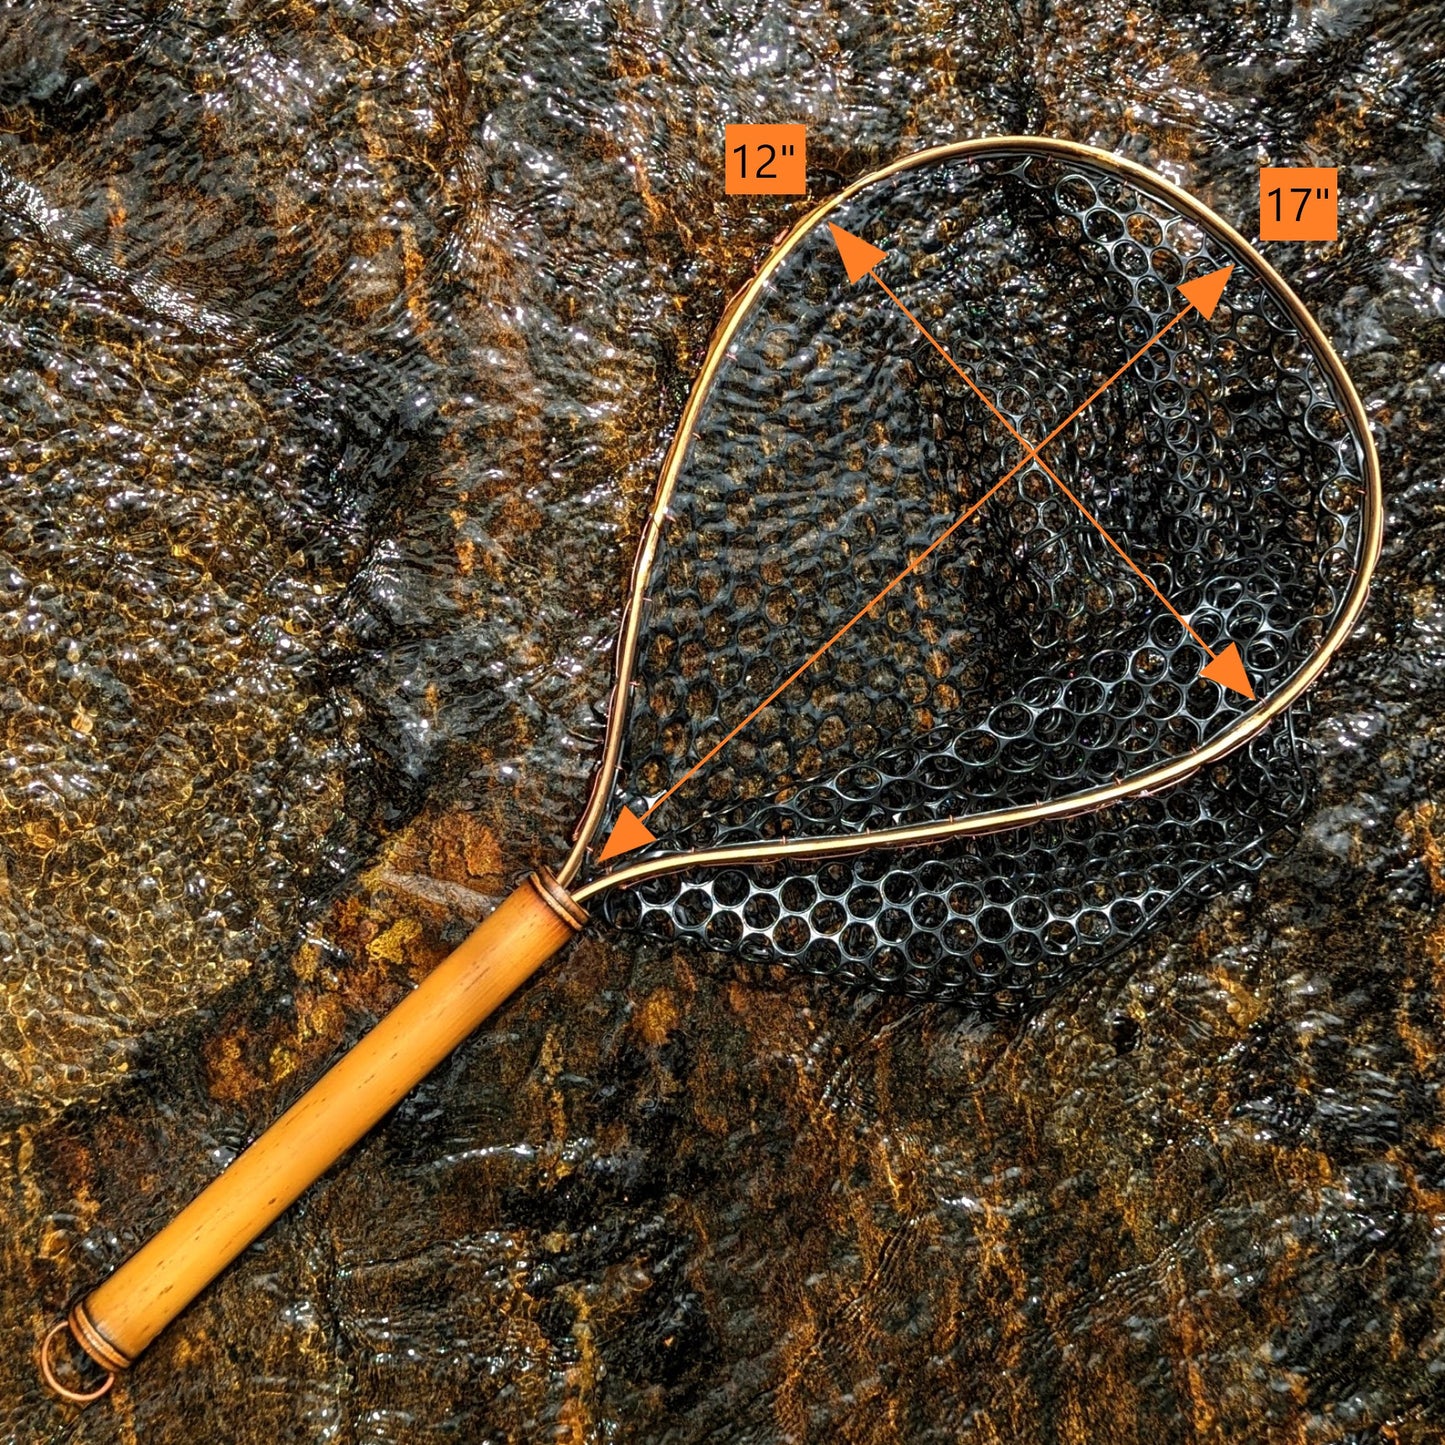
x: 339, y: 347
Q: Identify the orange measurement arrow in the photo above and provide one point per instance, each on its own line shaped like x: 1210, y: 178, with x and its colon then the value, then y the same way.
x: 630, y: 826
x: 1203, y: 292
x: 859, y: 257
x: 627, y: 833
x: 1225, y: 667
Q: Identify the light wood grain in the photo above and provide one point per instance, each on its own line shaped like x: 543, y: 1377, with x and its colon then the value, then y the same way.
x: 120, y: 1318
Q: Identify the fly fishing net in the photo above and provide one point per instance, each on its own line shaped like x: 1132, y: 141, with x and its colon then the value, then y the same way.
x: 1023, y: 662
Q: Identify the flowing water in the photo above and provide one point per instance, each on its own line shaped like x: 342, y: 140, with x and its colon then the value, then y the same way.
x: 339, y: 346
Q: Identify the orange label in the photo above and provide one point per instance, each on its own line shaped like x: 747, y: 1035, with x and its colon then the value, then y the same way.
x: 1299, y: 203
x: 767, y: 160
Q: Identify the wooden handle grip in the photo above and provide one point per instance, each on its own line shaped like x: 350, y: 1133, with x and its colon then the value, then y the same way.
x: 120, y: 1318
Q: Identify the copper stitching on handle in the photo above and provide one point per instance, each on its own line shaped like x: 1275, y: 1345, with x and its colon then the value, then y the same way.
x: 558, y: 899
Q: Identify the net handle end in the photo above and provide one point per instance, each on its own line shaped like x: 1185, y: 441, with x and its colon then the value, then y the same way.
x: 111, y: 1362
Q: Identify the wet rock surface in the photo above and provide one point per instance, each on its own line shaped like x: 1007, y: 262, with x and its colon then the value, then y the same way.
x: 341, y: 343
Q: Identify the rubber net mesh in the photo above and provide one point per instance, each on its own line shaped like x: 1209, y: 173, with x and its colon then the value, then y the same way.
x: 1023, y: 661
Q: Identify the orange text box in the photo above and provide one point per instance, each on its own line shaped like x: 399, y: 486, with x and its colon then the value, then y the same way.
x: 767, y: 160
x: 1299, y: 203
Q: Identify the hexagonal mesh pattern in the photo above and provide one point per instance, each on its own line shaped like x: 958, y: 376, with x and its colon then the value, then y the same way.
x: 994, y: 922
x: 1023, y: 661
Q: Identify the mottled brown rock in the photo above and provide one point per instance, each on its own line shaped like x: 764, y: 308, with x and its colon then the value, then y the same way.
x: 341, y: 342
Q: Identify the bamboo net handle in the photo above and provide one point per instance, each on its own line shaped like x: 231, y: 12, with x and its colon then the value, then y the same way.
x: 122, y: 1316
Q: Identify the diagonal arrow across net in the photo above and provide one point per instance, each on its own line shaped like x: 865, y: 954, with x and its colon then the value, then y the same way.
x: 860, y: 258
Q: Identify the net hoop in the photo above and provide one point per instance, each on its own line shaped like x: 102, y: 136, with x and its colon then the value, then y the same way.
x: 1147, y: 781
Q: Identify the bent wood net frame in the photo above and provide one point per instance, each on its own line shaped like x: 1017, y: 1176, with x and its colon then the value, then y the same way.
x: 1148, y: 781
x: 124, y: 1313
